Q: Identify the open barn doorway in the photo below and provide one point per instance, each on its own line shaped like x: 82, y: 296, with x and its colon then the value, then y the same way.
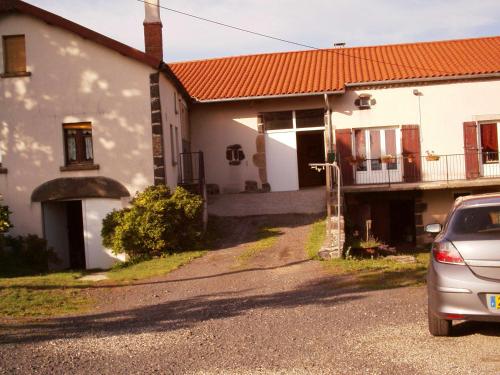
x: 310, y: 149
x: 63, y: 227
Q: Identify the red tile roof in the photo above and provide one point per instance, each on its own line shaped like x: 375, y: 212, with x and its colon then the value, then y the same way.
x: 329, y: 70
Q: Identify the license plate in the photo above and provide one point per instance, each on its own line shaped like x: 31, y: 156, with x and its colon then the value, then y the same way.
x: 493, y: 301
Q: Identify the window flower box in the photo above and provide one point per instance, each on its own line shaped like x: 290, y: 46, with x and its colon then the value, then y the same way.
x: 431, y: 156
x: 355, y: 160
x: 388, y: 159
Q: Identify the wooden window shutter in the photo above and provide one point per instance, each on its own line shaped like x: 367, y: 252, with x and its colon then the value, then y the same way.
x: 471, y: 151
x: 14, y: 54
x: 344, y: 154
x: 412, y: 160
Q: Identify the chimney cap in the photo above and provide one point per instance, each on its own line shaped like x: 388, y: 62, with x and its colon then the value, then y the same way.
x: 152, y: 11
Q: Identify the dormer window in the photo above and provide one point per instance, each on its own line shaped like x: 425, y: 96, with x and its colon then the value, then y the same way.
x: 14, y: 56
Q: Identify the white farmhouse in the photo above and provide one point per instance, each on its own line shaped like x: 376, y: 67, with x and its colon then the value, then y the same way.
x: 412, y: 127
x: 86, y: 121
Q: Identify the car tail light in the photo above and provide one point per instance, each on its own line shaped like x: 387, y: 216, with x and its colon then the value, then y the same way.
x: 445, y: 252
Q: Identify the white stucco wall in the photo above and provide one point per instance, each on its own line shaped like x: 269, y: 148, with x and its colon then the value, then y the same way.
x: 72, y: 80
x: 171, y: 100
x: 442, y: 111
x: 218, y: 125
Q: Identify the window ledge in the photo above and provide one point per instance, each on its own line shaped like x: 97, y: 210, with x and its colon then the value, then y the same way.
x: 3, y: 170
x: 79, y: 167
x: 17, y: 74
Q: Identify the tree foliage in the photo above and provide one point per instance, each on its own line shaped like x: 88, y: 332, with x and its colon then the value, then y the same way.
x: 157, y: 222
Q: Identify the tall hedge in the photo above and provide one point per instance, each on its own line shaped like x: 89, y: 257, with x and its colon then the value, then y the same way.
x: 157, y: 222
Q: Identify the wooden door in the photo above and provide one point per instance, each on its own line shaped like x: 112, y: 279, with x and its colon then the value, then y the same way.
x: 471, y: 150
x: 410, y: 136
x: 344, y: 153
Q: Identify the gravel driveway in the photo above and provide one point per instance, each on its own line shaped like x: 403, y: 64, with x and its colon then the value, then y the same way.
x: 277, y: 314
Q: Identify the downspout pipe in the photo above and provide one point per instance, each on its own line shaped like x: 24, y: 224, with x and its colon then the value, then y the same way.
x: 331, y: 137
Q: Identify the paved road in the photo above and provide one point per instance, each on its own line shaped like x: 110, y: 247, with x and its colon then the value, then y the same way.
x: 279, y: 313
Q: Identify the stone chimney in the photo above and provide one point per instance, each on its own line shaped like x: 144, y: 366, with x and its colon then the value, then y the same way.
x: 153, y: 40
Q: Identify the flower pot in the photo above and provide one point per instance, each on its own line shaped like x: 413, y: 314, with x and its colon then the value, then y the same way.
x: 388, y: 159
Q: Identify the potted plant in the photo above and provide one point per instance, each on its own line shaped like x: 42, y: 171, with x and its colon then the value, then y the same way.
x: 355, y: 160
x: 410, y: 158
x: 388, y: 159
x: 431, y: 156
x: 366, y: 248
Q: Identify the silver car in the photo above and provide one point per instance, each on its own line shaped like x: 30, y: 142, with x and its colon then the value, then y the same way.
x: 463, y: 281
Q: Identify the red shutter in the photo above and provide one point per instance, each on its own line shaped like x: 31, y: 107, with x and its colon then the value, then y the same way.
x: 411, y: 153
x: 471, y: 150
x: 344, y: 154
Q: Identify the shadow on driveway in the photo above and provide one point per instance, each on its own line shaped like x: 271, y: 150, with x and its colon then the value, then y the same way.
x: 178, y: 314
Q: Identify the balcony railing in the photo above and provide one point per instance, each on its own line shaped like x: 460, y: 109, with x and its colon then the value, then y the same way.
x: 429, y: 168
x: 192, y: 172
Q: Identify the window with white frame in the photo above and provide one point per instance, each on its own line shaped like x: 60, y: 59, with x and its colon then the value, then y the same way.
x: 298, y: 120
x: 176, y: 103
x: 173, y: 148
x: 371, y: 146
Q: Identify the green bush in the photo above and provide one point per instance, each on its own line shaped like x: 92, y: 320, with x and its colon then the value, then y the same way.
x: 26, y: 255
x: 5, y: 223
x: 158, y: 222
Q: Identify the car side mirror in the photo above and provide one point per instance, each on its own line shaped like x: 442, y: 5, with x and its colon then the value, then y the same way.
x: 433, y: 228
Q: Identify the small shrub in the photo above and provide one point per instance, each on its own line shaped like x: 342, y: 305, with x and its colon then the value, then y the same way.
x: 29, y: 254
x: 5, y: 223
x: 157, y: 222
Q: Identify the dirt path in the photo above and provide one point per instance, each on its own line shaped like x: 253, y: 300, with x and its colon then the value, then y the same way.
x: 278, y: 313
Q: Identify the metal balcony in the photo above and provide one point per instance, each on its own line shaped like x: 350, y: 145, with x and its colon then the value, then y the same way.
x: 422, y: 169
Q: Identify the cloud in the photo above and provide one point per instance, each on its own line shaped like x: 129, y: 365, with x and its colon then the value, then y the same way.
x: 315, y: 22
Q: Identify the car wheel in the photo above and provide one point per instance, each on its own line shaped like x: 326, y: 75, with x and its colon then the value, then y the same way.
x: 438, y: 326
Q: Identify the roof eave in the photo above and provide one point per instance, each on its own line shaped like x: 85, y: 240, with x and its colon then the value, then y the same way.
x: 422, y: 80
x: 262, y: 97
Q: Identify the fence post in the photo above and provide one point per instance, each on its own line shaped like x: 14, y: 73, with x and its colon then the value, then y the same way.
x: 388, y: 173
x: 447, y: 170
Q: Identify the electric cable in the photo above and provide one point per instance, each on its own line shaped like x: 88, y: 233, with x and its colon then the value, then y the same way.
x: 329, y: 50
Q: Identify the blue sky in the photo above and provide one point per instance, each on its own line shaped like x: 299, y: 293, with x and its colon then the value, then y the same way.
x: 314, y: 22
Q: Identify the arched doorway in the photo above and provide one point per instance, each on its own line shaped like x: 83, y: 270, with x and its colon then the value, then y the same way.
x: 73, y: 209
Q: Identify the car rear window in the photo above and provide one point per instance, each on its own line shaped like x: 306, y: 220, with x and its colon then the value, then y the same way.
x: 476, y: 220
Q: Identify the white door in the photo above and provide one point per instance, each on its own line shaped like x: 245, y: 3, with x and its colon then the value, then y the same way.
x: 281, y: 160
x: 489, y: 146
x: 372, y: 145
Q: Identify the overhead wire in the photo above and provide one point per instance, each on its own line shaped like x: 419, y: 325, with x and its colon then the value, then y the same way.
x: 335, y: 51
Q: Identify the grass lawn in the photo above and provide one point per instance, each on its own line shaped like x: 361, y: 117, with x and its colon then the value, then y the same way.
x: 153, y: 267
x: 45, y: 295
x: 61, y: 293
x: 316, y: 238
x: 267, y: 238
x: 378, y: 273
